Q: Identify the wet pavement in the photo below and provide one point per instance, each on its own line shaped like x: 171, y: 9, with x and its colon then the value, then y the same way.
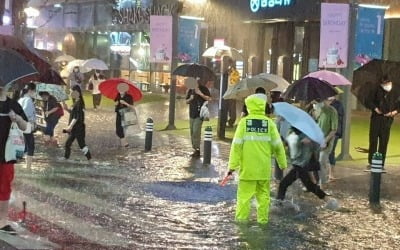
x: 163, y: 199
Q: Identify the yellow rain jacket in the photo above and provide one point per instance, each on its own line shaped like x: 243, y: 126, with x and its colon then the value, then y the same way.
x: 256, y: 140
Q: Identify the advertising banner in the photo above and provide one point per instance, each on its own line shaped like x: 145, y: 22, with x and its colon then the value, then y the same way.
x: 160, y: 39
x: 334, y: 38
x: 369, y: 35
x: 189, y: 41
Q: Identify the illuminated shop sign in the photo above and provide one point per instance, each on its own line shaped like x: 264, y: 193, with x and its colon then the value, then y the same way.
x: 256, y: 5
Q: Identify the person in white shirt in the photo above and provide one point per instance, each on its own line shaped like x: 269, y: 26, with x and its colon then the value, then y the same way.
x: 26, y: 102
x: 93, y: 86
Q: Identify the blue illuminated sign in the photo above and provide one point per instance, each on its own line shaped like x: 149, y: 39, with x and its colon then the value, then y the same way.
x: 256, y: 5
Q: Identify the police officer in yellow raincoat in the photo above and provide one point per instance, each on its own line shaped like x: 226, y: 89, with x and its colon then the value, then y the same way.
x: 256, y: 140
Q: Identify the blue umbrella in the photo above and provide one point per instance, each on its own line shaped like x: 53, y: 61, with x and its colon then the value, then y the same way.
x: 13, y: 67
x: 301, y: 120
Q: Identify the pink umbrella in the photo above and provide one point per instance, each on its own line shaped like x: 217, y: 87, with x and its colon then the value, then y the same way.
x: 331, y: 77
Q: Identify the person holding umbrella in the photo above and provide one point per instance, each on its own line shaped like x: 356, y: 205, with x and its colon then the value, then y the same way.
x: 26, y: 102
x: 76, y: 125
x: 76, y: 77
x: 385, y: 105
x: 93, y: 86
x: 255, y: 141
x: 327, y: 119
x: 122, y: 101
x: 52, y: 113
x: 196, y: 98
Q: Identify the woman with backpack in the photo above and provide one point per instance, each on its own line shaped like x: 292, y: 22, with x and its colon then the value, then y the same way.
x: 26, y: 102
x: 52, y: 113
x: 76, y: 125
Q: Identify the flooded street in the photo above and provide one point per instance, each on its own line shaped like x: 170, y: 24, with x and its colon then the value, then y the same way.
x: 163, y: 199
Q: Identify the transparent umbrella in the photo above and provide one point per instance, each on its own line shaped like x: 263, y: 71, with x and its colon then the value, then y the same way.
x: 280, y: 81
x: 247, y: 87
x: 219, y: 51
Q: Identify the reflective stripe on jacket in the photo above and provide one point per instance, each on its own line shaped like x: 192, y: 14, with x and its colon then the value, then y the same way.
x: 255, y: 142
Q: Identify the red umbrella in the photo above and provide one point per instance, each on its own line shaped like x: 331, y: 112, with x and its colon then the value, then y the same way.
x: 108, y: 88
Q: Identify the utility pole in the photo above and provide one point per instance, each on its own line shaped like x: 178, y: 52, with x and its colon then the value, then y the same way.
x: 348, y: 72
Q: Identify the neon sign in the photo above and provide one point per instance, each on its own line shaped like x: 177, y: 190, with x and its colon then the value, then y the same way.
x: 256, y: 5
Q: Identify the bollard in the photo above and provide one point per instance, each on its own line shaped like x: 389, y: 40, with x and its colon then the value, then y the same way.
x: 375, y: 183
x: 149, y: 134
x: 207, y: 145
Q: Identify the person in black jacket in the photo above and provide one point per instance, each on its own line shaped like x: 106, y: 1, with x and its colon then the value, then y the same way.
x: 384, y: 104
x: 76, y: 127
x: 123, y: 101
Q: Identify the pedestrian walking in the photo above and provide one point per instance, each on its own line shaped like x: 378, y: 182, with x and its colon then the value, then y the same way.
x: 75, y: 78
x: 76, y: 126
x: 385, y: 105
x: 26, y: 102
x: 327, y: 119
x: 339, y: 133
x: 303, y: 154
x: 52, y: 113
x: 10, y: 111
x: 196, y: 98
x: 93, y: 86
x: 255, y: 142
x: 123, y: 101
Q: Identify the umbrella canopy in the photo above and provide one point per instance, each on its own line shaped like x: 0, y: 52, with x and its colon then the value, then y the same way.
x: 280, y: 81
x: 64, y: 58
x: 309, y: 89
x: 40, y: 64
x: 367, y: 78
x: 108, y: 88
x: 247, y: 87
x: 301, y: 120
x: 55, y: 90
x: 53, y: 77
x: 76, y: 63
x: 219, y: 51
x: 195, y: 70
x: 13, y: 67
x: 333, y: 78
x: 95, y: 63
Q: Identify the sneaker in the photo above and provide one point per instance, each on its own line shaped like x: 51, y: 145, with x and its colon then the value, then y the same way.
x: 196, y: 153
x: 332, y: 204
x: 8, y: 230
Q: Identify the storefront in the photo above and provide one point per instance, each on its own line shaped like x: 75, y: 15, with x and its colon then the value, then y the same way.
x: 118, y: 34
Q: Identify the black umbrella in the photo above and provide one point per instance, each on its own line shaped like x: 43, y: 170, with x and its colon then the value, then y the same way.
x: 13, y: 67
x: 309, y: 89
x: 195, y: 70
x: 367, y: 78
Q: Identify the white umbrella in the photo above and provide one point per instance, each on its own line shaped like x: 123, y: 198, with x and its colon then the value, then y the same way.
x: 95, y: 63
x: 64, y: 58
x: 76, y: 63
x: 248, y: 87
x: 280, y: 81
x: 218, y: 51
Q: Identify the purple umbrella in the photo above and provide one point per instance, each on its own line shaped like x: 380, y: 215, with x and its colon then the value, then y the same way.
x: 331, y: 77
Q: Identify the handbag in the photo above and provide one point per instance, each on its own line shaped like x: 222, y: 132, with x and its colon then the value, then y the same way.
x: 15, y: 145
x: 205, y: 112
x: 129, y: 117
